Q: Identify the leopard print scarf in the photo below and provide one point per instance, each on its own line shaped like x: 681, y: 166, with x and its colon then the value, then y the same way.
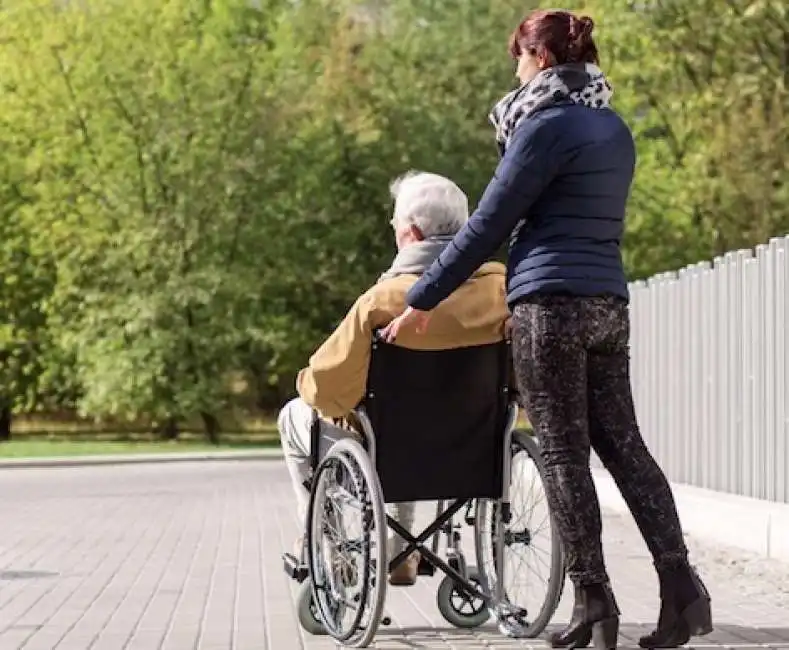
x: 579, y: 83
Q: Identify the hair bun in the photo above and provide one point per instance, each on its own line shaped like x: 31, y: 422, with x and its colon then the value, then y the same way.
x: 580, y: 29
x: 580, y: 34
x: 586, y: 25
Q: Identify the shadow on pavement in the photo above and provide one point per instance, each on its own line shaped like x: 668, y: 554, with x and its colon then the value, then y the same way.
x: 724, y: 636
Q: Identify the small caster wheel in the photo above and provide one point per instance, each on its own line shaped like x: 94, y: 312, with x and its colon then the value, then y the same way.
x: 460, y: 608
x: 308, y: 612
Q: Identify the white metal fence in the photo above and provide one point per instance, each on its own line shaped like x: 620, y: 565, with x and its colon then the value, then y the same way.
x: 709, y: 364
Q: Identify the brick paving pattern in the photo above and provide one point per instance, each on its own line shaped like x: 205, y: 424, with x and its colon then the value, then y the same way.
x: 187, y: 557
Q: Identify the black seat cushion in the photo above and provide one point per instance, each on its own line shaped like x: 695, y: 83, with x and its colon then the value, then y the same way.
x: 439, y: 419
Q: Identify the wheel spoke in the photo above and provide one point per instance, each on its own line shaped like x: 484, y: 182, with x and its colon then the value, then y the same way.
x: 532, y: 564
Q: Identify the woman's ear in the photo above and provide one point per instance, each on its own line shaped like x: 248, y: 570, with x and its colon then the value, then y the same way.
x: 545, y: 58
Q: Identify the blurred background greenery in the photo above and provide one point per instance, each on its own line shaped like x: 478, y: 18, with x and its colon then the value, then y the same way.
x: 195, y: 191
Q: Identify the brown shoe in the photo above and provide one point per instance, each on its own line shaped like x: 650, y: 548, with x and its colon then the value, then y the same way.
x: 404, y: 575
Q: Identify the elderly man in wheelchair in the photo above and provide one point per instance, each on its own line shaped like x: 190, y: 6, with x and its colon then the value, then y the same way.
x: 430, y: 418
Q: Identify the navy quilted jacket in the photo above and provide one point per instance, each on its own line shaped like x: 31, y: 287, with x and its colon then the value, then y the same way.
x: 559, y: 193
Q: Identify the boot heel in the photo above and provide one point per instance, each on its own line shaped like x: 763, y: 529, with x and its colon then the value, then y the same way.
x: 605, y: 633
x: 698, y: 617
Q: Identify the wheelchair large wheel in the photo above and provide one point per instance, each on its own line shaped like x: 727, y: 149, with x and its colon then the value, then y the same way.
x: 521, y: 563
x: 346, y: 545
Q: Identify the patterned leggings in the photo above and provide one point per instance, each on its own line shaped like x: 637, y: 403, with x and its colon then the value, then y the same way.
x: 572, y: 366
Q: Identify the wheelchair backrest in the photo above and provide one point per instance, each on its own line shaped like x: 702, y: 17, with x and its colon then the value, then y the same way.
x: 439, y: 419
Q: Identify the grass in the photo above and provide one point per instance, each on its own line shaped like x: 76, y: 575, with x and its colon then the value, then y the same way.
x: 45, y: 448
x: 42, y: 442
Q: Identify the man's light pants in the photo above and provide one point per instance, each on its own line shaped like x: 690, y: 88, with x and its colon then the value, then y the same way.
x: 294, y: 423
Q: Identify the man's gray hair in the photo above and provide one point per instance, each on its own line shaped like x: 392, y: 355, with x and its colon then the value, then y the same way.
x: 432, y: 203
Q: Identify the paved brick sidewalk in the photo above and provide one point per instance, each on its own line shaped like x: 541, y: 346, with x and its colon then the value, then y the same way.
x: 187, y: 556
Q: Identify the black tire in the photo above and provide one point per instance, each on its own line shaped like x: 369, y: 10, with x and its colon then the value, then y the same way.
x: 308, y: 613
x: 350, y: 458
x: 449, y: 592
x: 522, y: 441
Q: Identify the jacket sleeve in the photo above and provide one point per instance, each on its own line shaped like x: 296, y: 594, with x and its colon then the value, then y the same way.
x: 335, y: 379
x: 528, y: 166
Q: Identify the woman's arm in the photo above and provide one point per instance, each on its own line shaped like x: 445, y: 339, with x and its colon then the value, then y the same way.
x: 528, y: 166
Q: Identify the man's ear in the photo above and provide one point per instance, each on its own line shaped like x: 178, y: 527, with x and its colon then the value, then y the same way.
x: 416, y: 233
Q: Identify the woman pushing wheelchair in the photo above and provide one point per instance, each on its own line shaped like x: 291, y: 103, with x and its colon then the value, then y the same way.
x: 560, y: 191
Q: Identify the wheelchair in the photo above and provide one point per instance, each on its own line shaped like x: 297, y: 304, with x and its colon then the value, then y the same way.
x: 434, y: 426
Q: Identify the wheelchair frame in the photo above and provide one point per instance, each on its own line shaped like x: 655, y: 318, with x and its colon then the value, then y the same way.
x: 430, y: 559
x: 510, y: 618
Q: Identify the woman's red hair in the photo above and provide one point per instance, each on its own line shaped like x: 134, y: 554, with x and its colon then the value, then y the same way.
x: 567, y: 38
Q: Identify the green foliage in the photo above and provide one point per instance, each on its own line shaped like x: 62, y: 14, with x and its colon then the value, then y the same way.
x: 193, y: 193
x: 148, y: 121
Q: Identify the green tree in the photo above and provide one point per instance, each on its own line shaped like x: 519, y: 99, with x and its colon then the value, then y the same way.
x: 27, y: 284
x: 704, y: 86
x: 151, y: 123
x: 194, y: 193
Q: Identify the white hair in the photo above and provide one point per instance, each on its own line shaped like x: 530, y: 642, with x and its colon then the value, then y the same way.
x: 432, y: 203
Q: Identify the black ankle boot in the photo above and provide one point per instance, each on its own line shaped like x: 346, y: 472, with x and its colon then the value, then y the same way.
x: 684, y: 609
x: 595, y: 618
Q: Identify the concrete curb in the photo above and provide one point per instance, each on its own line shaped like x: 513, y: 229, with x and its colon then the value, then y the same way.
x: 136, y: 459
x: 754, y: 525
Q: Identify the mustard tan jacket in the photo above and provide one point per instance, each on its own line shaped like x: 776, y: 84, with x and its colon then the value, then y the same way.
x: 335, y: 380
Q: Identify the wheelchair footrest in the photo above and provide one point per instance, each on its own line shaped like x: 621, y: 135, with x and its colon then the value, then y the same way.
x: 425, y: 568
x: 293, y: 568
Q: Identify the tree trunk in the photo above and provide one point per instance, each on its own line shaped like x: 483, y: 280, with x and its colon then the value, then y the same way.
x: 169, y: 429
x: 211, y: 426
x: 5, y: 423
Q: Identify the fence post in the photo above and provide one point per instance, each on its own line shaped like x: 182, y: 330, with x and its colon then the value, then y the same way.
x: 709, y: 370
